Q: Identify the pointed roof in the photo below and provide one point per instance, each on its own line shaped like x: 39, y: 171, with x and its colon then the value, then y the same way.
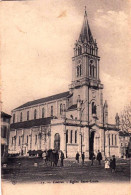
x: 85, y: 35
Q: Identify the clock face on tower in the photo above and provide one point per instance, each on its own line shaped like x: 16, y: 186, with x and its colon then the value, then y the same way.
x: 92, y: 62
x: 79, y: 61
x: 93, y: 94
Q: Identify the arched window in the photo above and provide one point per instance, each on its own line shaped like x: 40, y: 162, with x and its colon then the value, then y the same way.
x: 71, y: 134
x: 79, y: 50
x: 90, y: 50
x: 75, y: 136
x: 92, y: 68
x: 43, y: 112
x: 77, y: 71
x: 93, y: 51
x: 21, y: 117
x: 61, y: 108
x: 23, y: 139
x: 27, y: 115
x: 35, y: 113
x: 80, y: 70
x: 112, y: 139
x: 19, y: 140
x: 93, y: 108
x: 35, y: 139
x: 51, y: 110
x: 92, y: 71
x: 57, y: 141
x: 115, y: 140
x: 66, y: 136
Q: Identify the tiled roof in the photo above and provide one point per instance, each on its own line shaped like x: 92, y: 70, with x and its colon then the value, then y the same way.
x: 31, y: 123
x: 3, y: 114
x: 46, y: 99
x: 73, y: 107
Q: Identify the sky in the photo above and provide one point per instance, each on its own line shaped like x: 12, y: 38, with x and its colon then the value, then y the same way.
x: 37, y: 40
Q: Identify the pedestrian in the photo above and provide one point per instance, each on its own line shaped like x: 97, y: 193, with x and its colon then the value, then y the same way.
x: 44, y: 157
x: 52, y: 157
x: 62, y: 158
x: 92, y: 158
x: 107, y: 164
x: 83, y: 158
x: 113, y: 164
x: 99, y: 157
x: 77, y: 157
x: 56, y: 155
x: 126, y: 153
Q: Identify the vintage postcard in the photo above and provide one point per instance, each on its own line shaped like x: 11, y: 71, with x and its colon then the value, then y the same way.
x: 65, y: 97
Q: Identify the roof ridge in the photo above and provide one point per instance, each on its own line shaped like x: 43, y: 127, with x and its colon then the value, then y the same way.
x: 40, y: 100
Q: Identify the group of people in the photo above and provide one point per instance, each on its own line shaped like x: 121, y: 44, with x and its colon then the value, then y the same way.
x: 109, y: 163
x: 92, y: 157
x: 53, y: 156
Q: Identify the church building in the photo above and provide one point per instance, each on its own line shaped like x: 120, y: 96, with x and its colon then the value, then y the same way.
x: 75, y: 120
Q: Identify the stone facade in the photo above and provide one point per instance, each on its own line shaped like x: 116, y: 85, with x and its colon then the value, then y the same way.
x: 76, y: 120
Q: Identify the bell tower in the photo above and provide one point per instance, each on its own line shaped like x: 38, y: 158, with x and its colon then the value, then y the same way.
x: 85, y: 73
x: 85, y: 60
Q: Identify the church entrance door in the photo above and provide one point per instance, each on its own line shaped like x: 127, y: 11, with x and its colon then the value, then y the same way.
x: 57, y: 141
x: 91, y: 142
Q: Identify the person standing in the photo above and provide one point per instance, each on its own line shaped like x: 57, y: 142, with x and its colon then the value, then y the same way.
x: 77, y: 157
x: 52, y: 158
x: 107, y: 164
x: 62, y: 158
x: 44, y: 156
x: 113, y: 164
x: 83, y: 158
x: 99, y: 157
x: 56, y: 158
x: 92, y: 158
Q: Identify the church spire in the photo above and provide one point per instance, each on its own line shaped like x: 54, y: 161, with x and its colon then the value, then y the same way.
x: 85, y: 11
x: 85, y: 35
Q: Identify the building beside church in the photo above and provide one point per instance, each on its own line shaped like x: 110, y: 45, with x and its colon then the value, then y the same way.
x: 76, y: 120
x: 5, y: 129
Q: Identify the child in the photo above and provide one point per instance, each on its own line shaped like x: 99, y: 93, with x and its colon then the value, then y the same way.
x: 107, y: 165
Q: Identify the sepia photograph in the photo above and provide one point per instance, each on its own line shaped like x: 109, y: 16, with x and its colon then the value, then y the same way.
x: 65, y: 92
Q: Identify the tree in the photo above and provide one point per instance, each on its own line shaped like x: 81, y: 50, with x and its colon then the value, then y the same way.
x: 125, y: 119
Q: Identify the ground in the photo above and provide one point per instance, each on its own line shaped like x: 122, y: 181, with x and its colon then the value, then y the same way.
x: 26, y: 170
